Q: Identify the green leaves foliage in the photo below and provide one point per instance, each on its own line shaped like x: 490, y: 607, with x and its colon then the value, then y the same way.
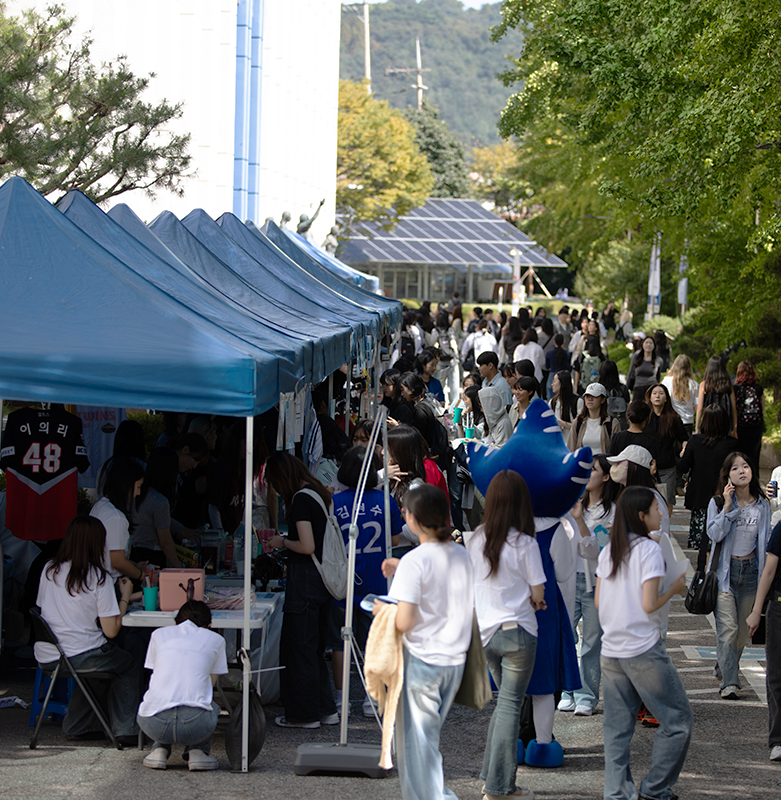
x: 445, y: 154
x: 66, y: 124
x: 380, y: 172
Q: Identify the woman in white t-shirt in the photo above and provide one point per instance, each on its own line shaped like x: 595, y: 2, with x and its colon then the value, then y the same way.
x: 530, y: 348
x: 178, y: 707
x: 122, y: 486
x: 593, y: 427
x: 635, y: 665
x: 433, y: 587
x: 509, y: 588
x: 594, y: 514
x: 75, y: 591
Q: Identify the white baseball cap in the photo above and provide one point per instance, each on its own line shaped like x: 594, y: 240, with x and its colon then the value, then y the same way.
x: 596, y: 390
x: 634, y: 453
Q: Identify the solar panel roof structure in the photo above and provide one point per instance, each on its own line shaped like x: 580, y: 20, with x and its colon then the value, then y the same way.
x: 447, y: 233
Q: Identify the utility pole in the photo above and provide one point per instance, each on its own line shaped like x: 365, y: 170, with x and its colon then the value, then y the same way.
x: 420, y: 86
x: 367, y: 56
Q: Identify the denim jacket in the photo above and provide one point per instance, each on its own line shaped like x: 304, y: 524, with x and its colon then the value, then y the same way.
x: 721, y: 527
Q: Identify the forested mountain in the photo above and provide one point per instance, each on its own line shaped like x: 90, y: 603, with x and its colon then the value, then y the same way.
x: 456, y: 45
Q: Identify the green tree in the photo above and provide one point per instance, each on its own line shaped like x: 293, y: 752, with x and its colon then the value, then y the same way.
x: 445, y: 154
x: 380, y: 172
x: 66, y: 124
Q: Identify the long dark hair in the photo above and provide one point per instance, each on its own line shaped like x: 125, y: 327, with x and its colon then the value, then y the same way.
x: 350, y: 469
x: 608, y: 376
x: 668, y: 416
x: 162, y: 471
x: 514, y: 335
x: 603, y: 415
x: 129, y: 440
x: 565, y: 395
x: 507, y: 505
x: 530, y: 336
x: 121, y: 478
x: 82, y: 546
x: 633, y: 501
x: 286, y: 473
x: 408, y: 449
x: 473, y: 393
x: 390, y: 378
x: 414, y: 383
x: 639, y: 355
x: 559, y: 353
x: 428, y: 504
x: 754, y: 487
x: 639, y: 476
x: 423, y: 358
x: 610, y: 489
x: 715, y: 425
x: 716, y: 378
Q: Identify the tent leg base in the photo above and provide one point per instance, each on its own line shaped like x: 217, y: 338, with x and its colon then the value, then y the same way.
x: 348, y: 759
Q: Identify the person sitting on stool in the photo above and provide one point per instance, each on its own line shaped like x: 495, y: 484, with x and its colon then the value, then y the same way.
x: 178, y: 707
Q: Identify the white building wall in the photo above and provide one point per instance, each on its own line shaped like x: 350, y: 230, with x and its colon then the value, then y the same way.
x: 191, y: 47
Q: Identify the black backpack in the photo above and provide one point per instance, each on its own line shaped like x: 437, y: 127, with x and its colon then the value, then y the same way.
x: 407, y: 346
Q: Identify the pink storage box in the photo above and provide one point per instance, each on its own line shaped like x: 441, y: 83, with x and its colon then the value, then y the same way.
x: 172, y: 595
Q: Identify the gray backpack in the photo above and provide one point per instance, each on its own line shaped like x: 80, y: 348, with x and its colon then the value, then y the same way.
x: 333, y: 568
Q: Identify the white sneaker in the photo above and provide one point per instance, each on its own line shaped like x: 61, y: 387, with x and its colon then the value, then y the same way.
x: 583, y: 711
x: 283, y: 723
x: 157, y: 759
x: 198, y: 761
x: 775, y: 752
x: 368, y: 708
x: 566, y: 704
x: 729, y: 692
x: 331, y: 719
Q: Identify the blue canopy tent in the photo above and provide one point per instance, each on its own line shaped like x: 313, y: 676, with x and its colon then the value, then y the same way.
x: 323, y: 292
x: 181, y: 283
x: 322, y: 265
x: 330, y: 341
x: 88, y: 329
x: 268, y: 277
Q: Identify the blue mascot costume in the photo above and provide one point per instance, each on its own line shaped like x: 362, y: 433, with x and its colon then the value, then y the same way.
x: 556, y: 479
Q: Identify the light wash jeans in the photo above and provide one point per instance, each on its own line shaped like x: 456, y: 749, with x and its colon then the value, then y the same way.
x: 649, y: 678
x: 590, y: 673
x: 732, y: 608
x: 426, y: 697
x: 510, y: 655
x: 192, y: 727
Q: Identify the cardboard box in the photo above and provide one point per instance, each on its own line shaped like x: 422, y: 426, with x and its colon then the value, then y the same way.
x: 173, y: 587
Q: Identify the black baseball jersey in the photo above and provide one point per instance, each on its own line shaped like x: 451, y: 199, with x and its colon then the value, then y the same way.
x: 43, y: 449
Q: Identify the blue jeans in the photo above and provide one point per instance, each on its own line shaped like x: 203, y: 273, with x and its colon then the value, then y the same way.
x: 426, y: 697
x: 590, y: 673
x: 123, y: 692
x: 649, y: 678
x: 510, y: 655
x: 732, y: 608
x: 192, y: 727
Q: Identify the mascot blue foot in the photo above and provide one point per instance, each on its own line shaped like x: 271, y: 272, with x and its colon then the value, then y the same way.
x: 544, y: 755
x: 520, y: 751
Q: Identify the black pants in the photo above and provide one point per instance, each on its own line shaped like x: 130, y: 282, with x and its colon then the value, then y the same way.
x: 750, y: 440
x: 305, y: 684
x: 773, y: 679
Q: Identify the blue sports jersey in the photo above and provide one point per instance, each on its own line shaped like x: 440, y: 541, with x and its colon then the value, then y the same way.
x: 370, y: 546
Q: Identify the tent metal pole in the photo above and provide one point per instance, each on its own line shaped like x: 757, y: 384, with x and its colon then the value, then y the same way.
x: 386, y: 486
x: 248, y: 587
x: 347, y: 398
x: 331, y: 402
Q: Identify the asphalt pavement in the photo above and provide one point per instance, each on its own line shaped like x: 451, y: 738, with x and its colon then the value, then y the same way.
x: 728, y: 757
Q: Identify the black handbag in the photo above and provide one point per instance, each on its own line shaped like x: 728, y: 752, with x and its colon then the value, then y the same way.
x: 704, y: 588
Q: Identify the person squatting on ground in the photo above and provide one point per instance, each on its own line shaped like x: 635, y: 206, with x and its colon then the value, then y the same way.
x: 178, y: 708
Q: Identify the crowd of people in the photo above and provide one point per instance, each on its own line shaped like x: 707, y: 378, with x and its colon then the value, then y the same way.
x: 654, y: 434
